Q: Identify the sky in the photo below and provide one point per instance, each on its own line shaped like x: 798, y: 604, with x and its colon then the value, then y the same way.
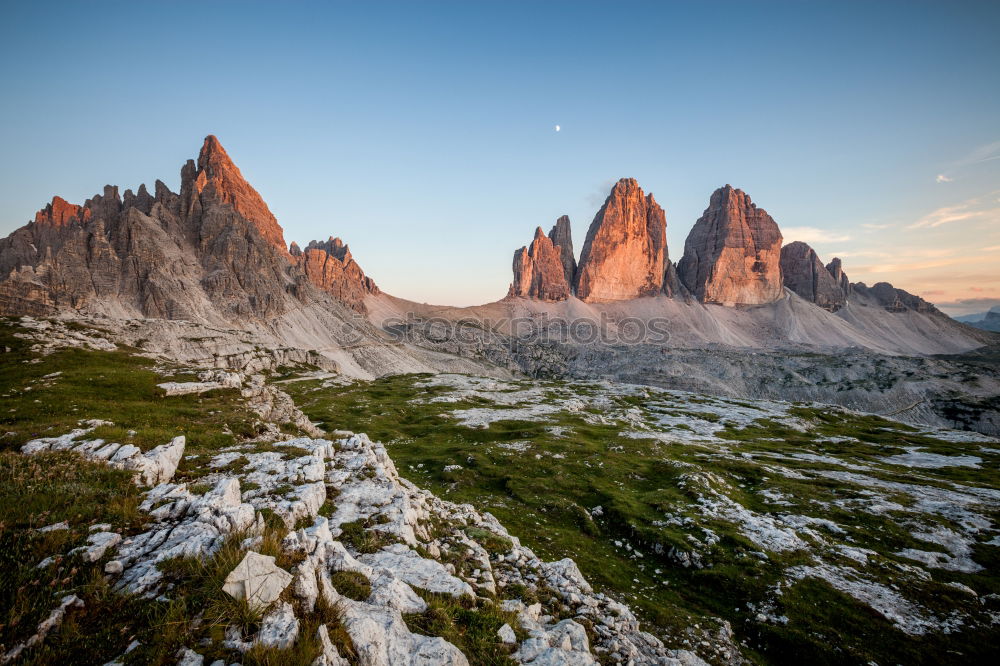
x: 423, y: 133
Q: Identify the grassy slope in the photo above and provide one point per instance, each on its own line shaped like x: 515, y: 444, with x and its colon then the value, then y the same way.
x: 543, y: 496
x: 45, y: 489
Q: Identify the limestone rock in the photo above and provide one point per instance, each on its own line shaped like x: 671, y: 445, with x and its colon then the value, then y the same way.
x: 329, y: 656
x: 98, y: 544
x: 733, y: 253
x: 53, y: 621
x: 381, y: 638
x: 409, y: 567
x: 506, y: 635
x: 279, y: 628
x: 562, y: 237
x: 183, y: 525
x: 625, y: 253
x: 539, y: 271
x: 257, y: 579
x: 153, y: 467
x: 392, y: 592
x: 330, y: 266
x: 804, y: 273
x: 188, y: 657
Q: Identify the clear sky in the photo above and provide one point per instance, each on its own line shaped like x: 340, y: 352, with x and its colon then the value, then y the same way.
x: 423, y: 133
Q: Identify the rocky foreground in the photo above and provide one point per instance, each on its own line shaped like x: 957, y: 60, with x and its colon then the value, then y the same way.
x: 355, y: 481
x: 349, y: 537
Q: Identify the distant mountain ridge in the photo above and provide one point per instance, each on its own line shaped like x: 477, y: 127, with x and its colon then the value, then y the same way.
x: 733, y: 256
x: 987, y: 321
x: 215, y: 254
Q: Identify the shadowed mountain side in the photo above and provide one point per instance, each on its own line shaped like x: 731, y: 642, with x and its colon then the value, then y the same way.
x: 861, y: 357
x: 788, y: 322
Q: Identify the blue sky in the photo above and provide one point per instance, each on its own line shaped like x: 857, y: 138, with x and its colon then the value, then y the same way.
x: 423, y: 133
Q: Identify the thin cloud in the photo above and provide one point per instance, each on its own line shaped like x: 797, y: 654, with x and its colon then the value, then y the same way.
x: 907, y: 266
x: 992, y: 248
x: 985, y: 153
x: 970, y: 209
x: 814, y: 235
x: 877, y: 227
x: 968, y: 305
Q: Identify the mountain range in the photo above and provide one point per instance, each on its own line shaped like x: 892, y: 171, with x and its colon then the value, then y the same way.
x: 988, y: 321
x: 213, y: 256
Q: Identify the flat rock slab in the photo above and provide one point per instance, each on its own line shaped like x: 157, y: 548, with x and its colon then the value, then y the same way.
x: 409, y: 567
x: 257, y: 579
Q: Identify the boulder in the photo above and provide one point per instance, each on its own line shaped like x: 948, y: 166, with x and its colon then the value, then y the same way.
x: 257, y: 579
x: 506, y: 635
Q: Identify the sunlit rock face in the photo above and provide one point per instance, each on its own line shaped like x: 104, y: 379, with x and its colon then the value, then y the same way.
x: 539, y: 271
x: 626, y: 248
x: 732, y: 255
x: 216, y: 179
x: 805, y: 274
x: 330, y: 266
x: 212, y: 253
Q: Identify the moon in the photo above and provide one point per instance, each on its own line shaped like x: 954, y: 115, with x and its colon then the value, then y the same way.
x: 558, y: 128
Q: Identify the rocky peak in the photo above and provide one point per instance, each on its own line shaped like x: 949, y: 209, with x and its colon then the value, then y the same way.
x: 329, y: 265
x: 625, y: 253
x: 732, y: 255
x: 215, y: 179
x: 60, y: 213
x: 804, y: 273
x: 332, y: 246
x: 213, y: 253
x: 837, y: 272
x: 562, y: 237
x: 141, y: 200
x: 539, y: 271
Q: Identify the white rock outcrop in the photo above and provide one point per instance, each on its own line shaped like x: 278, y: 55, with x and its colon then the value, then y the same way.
x: 183, y: 525
x: 279, y: 628
x: 381, y: 638
x: 153, y: 467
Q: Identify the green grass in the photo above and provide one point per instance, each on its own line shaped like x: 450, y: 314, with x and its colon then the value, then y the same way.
x: 116, y: 386
x: 544, y: 496
x: 469, y: 625
x: 352, y: 584
x: 41, y: 490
